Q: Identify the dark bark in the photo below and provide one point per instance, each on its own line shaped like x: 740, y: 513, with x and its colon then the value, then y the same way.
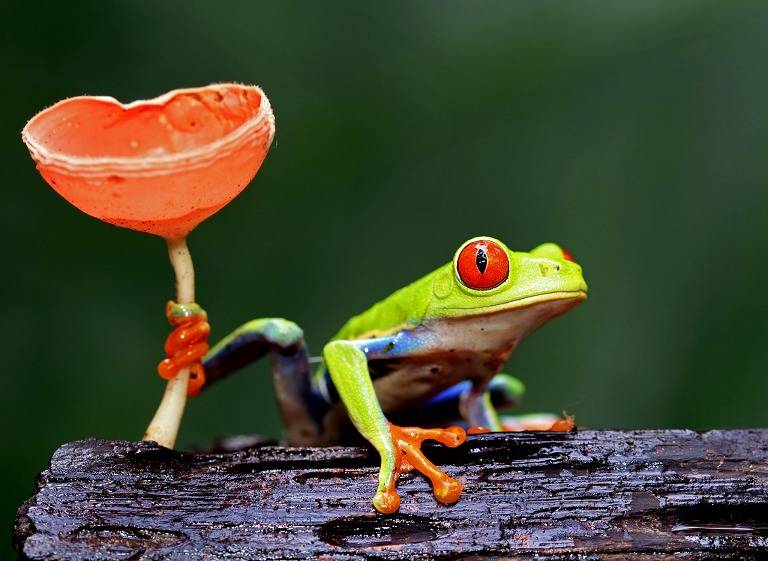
x: 586, y: 495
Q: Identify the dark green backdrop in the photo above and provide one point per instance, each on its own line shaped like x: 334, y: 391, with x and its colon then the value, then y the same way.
x: 634, y: 133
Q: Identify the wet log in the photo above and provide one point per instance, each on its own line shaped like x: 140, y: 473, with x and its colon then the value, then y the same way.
x: 657, y: 495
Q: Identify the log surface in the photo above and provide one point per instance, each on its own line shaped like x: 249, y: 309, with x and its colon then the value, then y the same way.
x: 586, y: 495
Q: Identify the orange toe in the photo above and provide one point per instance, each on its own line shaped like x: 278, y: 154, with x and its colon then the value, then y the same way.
x: 387, y: 501
x: 447, y: 490
x: 563, y: 425
x: 477, y: 429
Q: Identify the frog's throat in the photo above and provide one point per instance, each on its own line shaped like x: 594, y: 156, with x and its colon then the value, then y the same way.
x: 474, y: 311
x: 576, y: 295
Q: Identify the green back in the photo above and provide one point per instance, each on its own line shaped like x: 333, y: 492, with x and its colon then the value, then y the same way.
x: 404, y: 308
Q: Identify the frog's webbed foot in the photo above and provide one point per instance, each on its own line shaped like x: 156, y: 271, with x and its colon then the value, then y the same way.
x: 538, y: 422
x: 525, y: 423
x: 408, y: 456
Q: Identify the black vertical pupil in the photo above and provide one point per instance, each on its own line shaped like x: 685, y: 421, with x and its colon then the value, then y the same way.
x: 481, y: 260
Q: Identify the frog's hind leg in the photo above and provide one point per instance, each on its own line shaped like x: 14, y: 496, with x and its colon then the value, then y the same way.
x: 300, y: 406
x: 479, y: 407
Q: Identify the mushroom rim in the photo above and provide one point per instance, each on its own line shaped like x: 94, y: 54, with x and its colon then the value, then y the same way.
x: 149, y: 165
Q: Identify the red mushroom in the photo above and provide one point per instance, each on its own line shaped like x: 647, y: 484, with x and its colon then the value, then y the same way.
x: 160, y: 166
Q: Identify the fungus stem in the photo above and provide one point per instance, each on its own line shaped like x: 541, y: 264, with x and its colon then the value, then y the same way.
x: 165, y: 424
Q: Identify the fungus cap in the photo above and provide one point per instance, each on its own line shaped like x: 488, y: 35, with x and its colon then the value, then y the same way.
x: 160, y: 166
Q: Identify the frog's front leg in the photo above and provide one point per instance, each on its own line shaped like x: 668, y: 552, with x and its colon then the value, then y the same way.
x: 399, y: 447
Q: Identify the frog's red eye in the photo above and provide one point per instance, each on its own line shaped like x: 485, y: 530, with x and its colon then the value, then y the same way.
x: 567, y: 256
x: 482, y: 264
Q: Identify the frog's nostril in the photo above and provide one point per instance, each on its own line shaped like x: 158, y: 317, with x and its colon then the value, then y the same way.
x: 547, y: 268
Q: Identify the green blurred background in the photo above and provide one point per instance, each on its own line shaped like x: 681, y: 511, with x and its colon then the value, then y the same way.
x: 633, y: 133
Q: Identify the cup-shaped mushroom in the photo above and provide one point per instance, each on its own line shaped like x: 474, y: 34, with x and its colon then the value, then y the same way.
x: 160, y: 166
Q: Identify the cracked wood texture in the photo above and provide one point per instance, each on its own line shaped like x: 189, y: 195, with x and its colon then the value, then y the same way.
x: 584, y: 495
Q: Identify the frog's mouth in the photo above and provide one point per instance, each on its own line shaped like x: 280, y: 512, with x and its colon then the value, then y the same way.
x: 575, y: 296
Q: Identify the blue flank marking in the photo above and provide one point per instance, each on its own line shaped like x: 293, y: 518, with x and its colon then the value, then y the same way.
x: 400, y: 345
x: 454, y: 392
x: 449, y: 394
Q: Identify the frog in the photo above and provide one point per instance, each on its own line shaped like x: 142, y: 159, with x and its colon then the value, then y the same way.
x: 430, y: 353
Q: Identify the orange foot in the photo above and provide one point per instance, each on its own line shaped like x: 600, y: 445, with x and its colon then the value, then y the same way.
x: 566, y: 424
x: 408, y: 456
x: 186, y: 345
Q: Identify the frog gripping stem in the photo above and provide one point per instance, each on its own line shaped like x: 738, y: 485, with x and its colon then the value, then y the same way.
x: 183, y: 348
x: 408, y: 456
x: 186, y: 345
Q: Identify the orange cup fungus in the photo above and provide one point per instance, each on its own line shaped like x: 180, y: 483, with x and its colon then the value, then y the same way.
x: 160, y: 166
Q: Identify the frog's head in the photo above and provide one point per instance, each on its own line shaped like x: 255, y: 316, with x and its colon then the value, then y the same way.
x: 486, y: 276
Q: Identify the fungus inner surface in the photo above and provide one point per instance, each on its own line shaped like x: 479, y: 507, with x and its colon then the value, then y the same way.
x: 103, y: 128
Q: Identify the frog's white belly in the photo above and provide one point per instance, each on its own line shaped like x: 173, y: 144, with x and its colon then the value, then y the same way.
x: 500, y: 331
x: 446, y: 352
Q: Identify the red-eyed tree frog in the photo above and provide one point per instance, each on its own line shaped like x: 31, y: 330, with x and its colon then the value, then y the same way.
x: 428, y: 352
